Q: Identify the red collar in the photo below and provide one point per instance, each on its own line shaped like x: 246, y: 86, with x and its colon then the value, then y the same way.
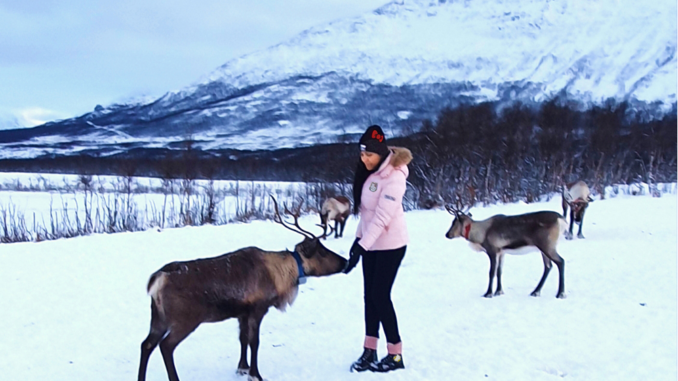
x: 467, y: 230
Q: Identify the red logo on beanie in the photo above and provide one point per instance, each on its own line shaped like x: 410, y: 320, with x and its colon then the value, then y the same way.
x: 376, y: 135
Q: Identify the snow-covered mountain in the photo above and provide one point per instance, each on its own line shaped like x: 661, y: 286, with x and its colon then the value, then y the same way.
x: 8, y: 122
x: 395, y: 66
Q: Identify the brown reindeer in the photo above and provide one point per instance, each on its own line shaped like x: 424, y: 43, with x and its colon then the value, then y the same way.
x: 577, y: 197
x: 502, y: 234
x: 243, y: 284
x: 335, y: 209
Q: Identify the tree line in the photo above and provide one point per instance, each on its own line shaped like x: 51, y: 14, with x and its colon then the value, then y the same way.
x: 487, y: 152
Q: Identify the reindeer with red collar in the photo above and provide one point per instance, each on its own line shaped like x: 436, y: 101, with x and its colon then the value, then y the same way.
x: 576, y: 197
x: 501, y: 234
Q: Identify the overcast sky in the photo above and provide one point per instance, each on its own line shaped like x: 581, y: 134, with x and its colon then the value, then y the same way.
x: 60, y: 58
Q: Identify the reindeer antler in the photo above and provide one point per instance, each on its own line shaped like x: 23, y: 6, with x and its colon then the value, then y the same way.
x: 451, y: 209
x: 326, y: 234
x: 296, y: 216
x: 297, y: 229
x: 457, y: 209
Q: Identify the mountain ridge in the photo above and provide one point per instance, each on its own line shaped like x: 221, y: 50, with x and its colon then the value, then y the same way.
x: 396, y: 66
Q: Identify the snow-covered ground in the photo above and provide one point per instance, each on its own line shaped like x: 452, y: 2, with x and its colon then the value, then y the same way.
x: 43, y: 199
x: 32, y: 182
x: 77, y: 309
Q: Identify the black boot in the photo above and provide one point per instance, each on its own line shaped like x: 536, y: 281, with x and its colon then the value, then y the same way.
x: 388, y: 363
x: 369, y: 357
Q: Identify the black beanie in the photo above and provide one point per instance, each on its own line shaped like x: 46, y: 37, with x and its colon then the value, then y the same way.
x: 373, y: 140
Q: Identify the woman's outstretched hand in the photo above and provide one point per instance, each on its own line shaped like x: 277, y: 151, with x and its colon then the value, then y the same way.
x: 355, y: 253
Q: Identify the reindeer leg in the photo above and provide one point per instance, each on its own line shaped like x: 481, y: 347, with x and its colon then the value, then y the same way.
x: 581, y: 223
x: 493, y: 271
x: 560, y: 262
x: 500, y: 265
x: 547, y: 268
x: 158, y: 331
x: 243, y: 367
x: 568, y: 234
x: 343, y: 225
x: 254, y: 322
x: 336, y: 228
x: 170, y: 342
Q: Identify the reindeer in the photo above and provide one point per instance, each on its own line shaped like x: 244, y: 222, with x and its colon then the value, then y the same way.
x: 335, y: 209
x: 242, y: 284
x: 502, y: 234
x: 577, y: 196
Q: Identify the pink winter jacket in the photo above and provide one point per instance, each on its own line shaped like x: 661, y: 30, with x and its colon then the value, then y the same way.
x: 382, y: 219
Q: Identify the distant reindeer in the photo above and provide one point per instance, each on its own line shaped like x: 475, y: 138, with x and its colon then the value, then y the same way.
x: 576, y: 196
x: 242, y: 284
x: 335, y: 209
x: 502, y: 234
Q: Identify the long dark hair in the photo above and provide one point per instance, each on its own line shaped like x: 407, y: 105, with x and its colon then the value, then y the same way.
x: 361, y: 175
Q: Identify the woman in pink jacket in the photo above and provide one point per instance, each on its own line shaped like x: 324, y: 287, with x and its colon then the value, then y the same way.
x: 378, y: 190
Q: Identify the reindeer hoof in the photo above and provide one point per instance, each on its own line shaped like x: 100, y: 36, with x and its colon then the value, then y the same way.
x: 561, y: 296
x: 499, y: 292
x: 535, y: 294
x: 487, y: 295
x: 254, y: 378
x: 242, y: 371
x: 568, y: 237
x: 581, y: 236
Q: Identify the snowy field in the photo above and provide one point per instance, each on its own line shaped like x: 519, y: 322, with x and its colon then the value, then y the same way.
x: 54, y: 203
x: 77, y: 309
x: 49, y: 181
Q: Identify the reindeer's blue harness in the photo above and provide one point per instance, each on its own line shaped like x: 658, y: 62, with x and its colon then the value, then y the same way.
x: 302, y: 275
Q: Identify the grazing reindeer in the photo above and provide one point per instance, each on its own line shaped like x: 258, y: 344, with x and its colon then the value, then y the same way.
x: 243, y: 284
x: 335, y: 209
x: 576, y: 196
x: 500, y: 234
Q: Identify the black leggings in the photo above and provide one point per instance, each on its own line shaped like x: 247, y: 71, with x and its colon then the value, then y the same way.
x: 379, y: 271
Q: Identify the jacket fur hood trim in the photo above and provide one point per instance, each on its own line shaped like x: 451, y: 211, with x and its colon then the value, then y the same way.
x: 397, y: 161
x: 401, y: 156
